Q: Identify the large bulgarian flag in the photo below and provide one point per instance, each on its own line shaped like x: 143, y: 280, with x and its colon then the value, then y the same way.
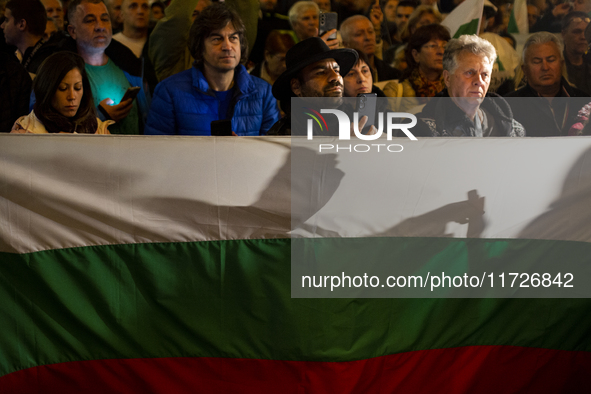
x: 465, y: 18
x: 162, y: 265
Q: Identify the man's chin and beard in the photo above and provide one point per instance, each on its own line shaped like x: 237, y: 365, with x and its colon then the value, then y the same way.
x: 333, y: 93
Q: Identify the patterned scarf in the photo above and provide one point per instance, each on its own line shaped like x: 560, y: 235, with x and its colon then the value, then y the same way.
x: 423, y: 87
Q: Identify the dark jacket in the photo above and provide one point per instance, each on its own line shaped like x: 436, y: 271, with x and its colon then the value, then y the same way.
x: 441, y: 117
x: 542, y: 118
x: 385, y: 72
x: 266, y: 25
x: 15, y: 90
x: 548, y: 22
x: 580, y: 76
x: 33, y: 57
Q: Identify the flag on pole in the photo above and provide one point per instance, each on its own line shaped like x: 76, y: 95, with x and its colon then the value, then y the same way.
x: 465, y: 18
x: 518, y: 22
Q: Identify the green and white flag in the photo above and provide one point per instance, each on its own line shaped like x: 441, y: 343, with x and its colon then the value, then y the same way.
x: 518, y: 21
x: 465, y: 18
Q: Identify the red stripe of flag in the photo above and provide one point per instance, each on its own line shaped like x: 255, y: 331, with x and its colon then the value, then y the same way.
x: 470, y: 369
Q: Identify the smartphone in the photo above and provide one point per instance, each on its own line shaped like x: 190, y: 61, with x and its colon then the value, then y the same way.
x: 131, y: 93
x: 221, y: 128
x: 366, y: 106
x: 328, y: 21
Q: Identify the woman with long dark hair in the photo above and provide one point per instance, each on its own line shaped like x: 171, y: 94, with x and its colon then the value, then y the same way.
x: 64, y: 101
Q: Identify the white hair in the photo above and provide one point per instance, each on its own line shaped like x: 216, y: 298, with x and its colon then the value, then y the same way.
x: 347, y: 25
x: 542, y: 37
x: 467, y: 43
x: 299, y: 8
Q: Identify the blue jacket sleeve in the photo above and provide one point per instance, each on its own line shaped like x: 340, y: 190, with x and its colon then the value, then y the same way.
x: 161, y: 118
x: 270, y: 110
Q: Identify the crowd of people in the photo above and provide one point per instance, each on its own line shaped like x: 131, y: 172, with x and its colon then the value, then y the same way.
x: 185, y: 67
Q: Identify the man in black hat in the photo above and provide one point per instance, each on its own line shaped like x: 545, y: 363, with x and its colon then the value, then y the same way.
x: 313, y: 70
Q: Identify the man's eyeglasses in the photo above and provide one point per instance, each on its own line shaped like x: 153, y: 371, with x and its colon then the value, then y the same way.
x: 577, y: 19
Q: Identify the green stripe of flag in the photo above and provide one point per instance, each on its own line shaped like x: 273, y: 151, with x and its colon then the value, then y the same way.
x: 232, y: 299
x: 512, y: 28
x: 467, y: 28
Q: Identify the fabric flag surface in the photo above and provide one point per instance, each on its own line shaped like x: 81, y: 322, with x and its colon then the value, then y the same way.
x: 162, y: 265
x: 465, y: 18
x: 518, y: 20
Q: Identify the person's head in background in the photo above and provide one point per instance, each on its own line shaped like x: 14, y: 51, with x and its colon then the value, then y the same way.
x: 425, y: 49
x: 359, y: 79
x: 324, y: 5
x: 358, y: 33
x: 114, y: 7
x: 276, y: 48
x: 533, y: 14
x: 50, y: 29
x: 573, y: 33
x: 63, y: 96
x: 303, y: 17
x: 582, y: 5
x: 403, y: 11
x: 423, y: 15
x: 489, y: 17
x: 56, y: 11
x: 201, y: 5
x: 24, y: 24
x: 157, y: 11
x: 268, y: 5
x: 390, y: 10
x: 135, y: 16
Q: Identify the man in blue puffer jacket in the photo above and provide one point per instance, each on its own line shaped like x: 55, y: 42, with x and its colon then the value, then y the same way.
x: 217, y: 87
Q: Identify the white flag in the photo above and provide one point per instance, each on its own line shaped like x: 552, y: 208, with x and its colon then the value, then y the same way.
x: 518, y: 22
x: 465, y: 18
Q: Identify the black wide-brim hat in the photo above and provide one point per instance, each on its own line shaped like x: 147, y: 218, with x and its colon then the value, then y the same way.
x: 307, y: 52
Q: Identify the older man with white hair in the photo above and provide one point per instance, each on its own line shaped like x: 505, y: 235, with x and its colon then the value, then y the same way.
x: 303, y: 17
x: 547, y: 105
x: 465, y: 108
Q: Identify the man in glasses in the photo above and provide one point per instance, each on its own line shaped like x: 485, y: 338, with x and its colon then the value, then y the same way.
x: 575, y: 46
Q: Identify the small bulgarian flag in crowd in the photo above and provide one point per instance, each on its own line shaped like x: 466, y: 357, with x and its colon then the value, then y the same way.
x: 465, y: 18
x: 518, y: 22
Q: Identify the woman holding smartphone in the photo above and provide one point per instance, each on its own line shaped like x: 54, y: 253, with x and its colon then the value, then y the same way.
x: 64, y: 99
